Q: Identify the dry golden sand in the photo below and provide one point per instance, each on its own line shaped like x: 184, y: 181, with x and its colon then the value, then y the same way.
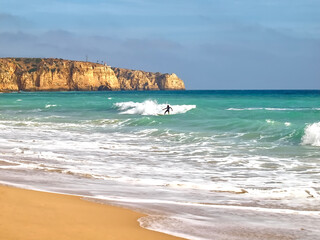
x: 32, y: 215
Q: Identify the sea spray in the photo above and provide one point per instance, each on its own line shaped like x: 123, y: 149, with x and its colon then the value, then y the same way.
x: 312, y: 135
x: 150, y: 107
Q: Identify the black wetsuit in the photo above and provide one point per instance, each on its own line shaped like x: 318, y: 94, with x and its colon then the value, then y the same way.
x: 168, y: 109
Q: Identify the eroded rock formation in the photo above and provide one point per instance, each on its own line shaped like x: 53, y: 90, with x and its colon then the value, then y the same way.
x: 36, y: 74
x: 140, y: 80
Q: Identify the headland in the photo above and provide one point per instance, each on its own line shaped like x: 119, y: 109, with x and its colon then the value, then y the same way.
x: 52, y: 74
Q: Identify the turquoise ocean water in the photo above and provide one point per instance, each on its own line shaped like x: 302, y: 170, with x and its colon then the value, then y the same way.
x: 222, y: 165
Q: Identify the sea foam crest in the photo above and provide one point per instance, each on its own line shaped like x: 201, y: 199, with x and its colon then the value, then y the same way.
x: 150, y: 107
x: 50, y: 105
x: 312, y: 135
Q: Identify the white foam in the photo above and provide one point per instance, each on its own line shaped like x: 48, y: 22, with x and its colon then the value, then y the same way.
x: 244, y: 109
x: 312, y: 135
x: 287, y: 124
x: 270, y: 121
x: 283, y: 109
x: 49, y: 105
x: 285, y: 193
x: 150, y: 107
x: 202, y: 205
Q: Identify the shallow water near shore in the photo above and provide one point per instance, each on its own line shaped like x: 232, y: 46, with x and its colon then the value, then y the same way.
x: 222, y: 165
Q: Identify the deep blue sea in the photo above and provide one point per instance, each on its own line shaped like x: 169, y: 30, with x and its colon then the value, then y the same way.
x: 221, y: 165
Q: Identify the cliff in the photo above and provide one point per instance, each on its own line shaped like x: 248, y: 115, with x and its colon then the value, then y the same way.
x: 36, y: 74
x: 140, y: 80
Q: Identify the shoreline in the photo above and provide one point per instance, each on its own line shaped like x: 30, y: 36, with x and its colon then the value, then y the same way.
x: 28, y: 214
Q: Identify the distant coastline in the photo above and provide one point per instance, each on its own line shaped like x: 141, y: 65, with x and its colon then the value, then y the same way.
x: 52, y: 74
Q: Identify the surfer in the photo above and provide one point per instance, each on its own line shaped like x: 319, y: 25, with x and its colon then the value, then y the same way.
x: 167, y: 109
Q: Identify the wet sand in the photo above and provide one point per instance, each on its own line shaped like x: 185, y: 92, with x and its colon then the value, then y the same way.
x: 33, y: 215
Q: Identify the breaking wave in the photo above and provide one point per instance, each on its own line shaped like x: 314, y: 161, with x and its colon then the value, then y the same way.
x: 312, y: 135
x: 150, y: 107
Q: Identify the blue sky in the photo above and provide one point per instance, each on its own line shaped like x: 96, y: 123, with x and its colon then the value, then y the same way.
x: 210, y: 44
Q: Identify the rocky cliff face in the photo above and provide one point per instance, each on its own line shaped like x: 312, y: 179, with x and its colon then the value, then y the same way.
x: 35, y: 74
x: 140, y: 80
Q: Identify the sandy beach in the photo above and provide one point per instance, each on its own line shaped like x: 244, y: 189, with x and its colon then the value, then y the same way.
x: 27, y: 214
